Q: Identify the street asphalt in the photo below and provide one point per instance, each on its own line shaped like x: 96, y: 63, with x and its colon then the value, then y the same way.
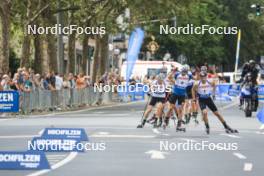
x: 132, y: 151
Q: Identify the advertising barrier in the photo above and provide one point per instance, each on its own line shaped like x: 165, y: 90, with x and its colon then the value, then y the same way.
x: 23, y: 160
x: 9, y: 101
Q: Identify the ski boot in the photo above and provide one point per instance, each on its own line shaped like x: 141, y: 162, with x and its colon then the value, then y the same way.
x: 142, y: 124
x: 195, y: 114
x: 230, y: 130
x: 160, y: 123
x: 187, y: 118
x: 207, y: 130
x: 155, y: 125
x: 166, y: 122
x: 152, y: 120
x: 179, y: 126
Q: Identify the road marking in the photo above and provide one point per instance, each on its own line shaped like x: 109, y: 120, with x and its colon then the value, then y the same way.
x: 261, y: 127
x: 188, y: 140
x: 88, y: 109
x: 41, y: 132
x: 239, y: 155
x: 102, y: 133
x: 156, y: 131
x: 155, y: 154
x: 259, y: 132
x: 230, y: 135
x: 69, y: 158
x: 121, y: 136
x: 229, y: 106
x: 17, y: 136
x: 93, y: 115
x: 1, y: 120
x: 248, y: 167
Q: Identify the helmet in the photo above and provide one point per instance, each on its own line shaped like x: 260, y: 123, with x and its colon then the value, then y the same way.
x: 185, y: 69
x: 203, y: 74
x: 252, y: 62
x: 187, y: 66
x: 204, y: 69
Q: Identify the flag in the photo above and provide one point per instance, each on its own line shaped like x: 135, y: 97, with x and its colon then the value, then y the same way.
x: 260, y: 115
x: 134, y: 45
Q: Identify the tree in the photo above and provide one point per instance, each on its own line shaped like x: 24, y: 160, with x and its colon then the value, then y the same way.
x: 5, y: 15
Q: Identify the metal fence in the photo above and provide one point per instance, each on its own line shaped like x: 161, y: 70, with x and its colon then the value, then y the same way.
x: 42, y: 100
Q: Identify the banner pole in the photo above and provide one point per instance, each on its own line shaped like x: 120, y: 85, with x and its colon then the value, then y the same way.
x: 237, y: 52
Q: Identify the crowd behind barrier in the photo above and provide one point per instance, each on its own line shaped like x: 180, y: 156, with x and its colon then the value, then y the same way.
x: 52, y: 91
x: 46, y: 100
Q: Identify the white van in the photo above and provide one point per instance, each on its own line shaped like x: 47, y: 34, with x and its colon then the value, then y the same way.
x: 149, y: 68
x: 230, y: 77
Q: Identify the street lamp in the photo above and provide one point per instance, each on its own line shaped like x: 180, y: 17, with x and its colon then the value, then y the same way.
x: 116, y: 53
x: 258, y: 8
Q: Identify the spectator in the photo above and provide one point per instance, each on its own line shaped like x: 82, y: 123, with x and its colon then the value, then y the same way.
x: 80, y: 82
x: 14, y: 84
x: 58, y: 82
x: 71, y: 80
x: 27, y: 87
x: 5, y: 83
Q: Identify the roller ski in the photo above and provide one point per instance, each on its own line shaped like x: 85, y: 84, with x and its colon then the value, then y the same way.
x: 230, y: 130
x: 187, y: 118
x: 152, y: 120
x: 142, y: 124
x: 166, y: 123
x: 179, y: 127
x: 159, y: 123
x: 194, y: 115
x: 207, y: 130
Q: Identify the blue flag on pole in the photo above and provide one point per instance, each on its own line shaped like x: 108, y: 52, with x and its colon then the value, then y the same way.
x: 260, y: 115
x: 134, y: 45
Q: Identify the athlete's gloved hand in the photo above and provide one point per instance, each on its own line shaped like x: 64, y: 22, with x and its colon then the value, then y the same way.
x: 214, y: 97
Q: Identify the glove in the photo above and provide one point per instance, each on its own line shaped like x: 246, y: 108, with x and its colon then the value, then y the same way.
x: 214, y: 97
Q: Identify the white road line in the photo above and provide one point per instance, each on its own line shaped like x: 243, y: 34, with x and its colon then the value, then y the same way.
x: 239, y: 155
x: 156, y: 154
x: 188, y: 140
x: 248, y: 167
x: 69, y: 158
x: 1, y: 120
x: 93, y: 115
x: 121, y: 136
x: 156, y: 131
x: 102, y: 133
x: 40, y: 132
x: 55, y: 156
x: 229, y: 106
x: 17, y: 136
x: 88, y: 109
x: 259, y: 132
x: 230, y: 135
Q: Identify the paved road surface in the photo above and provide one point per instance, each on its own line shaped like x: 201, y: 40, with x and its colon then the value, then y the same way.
x: 131, y: 151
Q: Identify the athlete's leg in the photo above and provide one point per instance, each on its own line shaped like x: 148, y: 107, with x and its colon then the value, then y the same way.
x: 159, y: 113
x: 213, y: 108
x: 202, y: 103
